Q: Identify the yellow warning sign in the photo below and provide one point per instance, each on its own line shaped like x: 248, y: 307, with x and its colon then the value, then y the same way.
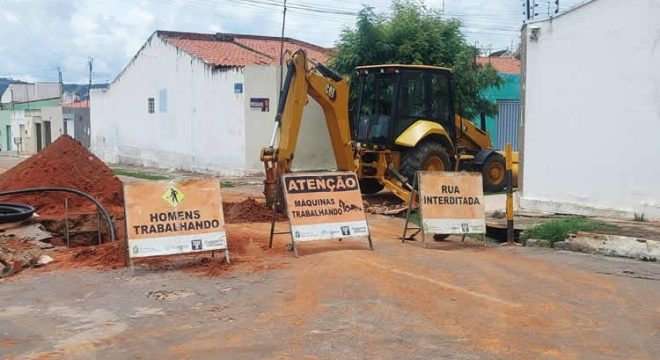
x: 173, y: 196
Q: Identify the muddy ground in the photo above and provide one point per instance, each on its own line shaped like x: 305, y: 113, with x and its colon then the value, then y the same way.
x: 339, y: 300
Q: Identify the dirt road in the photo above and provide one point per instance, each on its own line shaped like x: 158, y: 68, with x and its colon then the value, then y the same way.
x: 340, y: 300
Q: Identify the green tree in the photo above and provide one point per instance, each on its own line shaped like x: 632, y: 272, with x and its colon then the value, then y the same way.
x: 415, y: 34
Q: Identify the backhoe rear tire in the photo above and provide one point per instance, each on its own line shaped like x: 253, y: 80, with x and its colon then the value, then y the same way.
x: 426, y: 156
x: 493, y: 172
x: 370, y: 186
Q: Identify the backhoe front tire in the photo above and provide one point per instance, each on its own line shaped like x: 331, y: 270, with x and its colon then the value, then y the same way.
x: 426, y: 156
x: 493, y: 172
x: 370, y: 186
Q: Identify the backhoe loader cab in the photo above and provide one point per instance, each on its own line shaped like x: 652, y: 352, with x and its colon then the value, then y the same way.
x: 393, y: 97
x: 404, y: 121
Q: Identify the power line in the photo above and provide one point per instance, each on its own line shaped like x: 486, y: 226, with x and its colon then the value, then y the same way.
x: 45, y: 46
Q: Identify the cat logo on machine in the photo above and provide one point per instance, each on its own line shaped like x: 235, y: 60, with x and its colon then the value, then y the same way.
x: 330, y: 91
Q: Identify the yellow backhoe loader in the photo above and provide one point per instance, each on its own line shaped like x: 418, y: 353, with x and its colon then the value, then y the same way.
x: 404, y: 121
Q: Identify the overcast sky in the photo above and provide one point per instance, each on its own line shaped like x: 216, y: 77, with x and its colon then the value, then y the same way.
x: 38, y: 36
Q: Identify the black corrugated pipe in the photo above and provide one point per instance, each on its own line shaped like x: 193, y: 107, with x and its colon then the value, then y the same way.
x: 104, y: 212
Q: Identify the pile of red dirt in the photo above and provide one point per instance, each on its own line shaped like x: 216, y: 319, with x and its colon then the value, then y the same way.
x: 249, y: 210
x: 65, y: 163
x: 110, y: 255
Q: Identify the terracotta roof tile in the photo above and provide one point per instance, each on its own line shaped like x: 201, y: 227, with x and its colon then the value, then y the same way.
x: 507, y: 65
x: 239, y: 50
x: 77, y: 105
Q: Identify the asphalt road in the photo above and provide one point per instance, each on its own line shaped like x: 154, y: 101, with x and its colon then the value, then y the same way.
x: 340, y: 300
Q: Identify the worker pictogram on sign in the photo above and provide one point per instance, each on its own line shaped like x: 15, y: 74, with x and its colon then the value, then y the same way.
x: 173, y: 196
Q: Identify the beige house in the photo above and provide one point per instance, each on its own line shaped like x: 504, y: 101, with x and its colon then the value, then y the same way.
x: 31, y: 116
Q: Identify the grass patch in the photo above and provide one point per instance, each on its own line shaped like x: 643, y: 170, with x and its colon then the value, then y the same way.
x: 139, y: 174
x: 415, y: 218
x: 226, y: 184
x: 558, y: 230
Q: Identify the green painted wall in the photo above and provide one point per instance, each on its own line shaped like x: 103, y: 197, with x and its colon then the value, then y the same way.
x: 5, y: 117
x: 510, y: 90
x: 4, y: 122
x: 35, y: 104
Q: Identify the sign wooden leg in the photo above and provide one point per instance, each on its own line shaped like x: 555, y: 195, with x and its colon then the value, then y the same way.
x: 276, y: 203
x: 295, y: 248
x: 408, y: 212
x: 423, y: 239
x: 227, y: 256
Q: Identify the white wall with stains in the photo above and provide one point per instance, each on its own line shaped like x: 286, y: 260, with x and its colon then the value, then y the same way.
x: 313, y: 151
x: 592, y: 111
x: 200, y: 123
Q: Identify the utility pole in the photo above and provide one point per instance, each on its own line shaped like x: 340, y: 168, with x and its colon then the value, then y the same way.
x: 282, y: 47
x: 527, y: 13
x: 90, y: 62
x: 59, y: 74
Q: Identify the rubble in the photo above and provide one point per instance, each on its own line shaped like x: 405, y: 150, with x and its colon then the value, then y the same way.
x: 384, y: 208
x: 612, y: 245
x: 537, y: 243
x: 43, y: 260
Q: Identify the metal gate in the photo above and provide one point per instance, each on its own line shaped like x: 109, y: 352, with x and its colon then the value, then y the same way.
x: 507, y: 124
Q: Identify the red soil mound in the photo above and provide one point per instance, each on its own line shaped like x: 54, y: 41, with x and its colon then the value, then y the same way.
x: 106, y: 256
x: 65, y: 163
x: 249, y: 210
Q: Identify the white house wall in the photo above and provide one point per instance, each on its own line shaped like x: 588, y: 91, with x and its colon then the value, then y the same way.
x: 55, y: 116
x: 592, y: 111
x: 313, y: 151
x: 200, y: 128
x: 17, y: 118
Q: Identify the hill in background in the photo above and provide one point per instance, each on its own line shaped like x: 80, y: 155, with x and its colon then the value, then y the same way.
x: 78, y: 89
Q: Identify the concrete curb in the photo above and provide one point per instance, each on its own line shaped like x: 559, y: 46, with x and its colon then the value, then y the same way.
x: 612, y: 245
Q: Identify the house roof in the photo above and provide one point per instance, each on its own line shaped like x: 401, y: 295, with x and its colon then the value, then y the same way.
x: 77, y: 105
x: 226, y: 49
x: 26, y: 92
x: 506, y: 65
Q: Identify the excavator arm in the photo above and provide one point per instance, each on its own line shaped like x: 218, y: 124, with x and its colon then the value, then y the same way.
x: 331, y: 92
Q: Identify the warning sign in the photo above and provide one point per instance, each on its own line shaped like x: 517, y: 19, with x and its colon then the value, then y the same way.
x: 324, y: 206
x: 451, y: 202
x: 165, y: 218
x: 173, y: 196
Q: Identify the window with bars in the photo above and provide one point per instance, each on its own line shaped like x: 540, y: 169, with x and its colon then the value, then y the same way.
x: 151, y: 105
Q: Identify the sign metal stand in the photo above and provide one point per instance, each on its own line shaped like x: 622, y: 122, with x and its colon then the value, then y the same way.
x: 279, y: 195
x: 418, y: 229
